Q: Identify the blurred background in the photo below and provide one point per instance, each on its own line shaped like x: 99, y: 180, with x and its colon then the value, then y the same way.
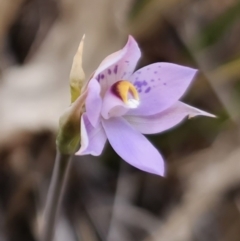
x: 106, y: 199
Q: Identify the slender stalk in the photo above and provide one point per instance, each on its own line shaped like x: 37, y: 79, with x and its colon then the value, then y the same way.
x: 54, y: 197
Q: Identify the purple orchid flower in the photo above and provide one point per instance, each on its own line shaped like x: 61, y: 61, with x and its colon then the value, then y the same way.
x: 122, y: 105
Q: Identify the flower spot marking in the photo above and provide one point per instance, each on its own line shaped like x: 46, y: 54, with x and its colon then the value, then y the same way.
x: 115, y: 69
x: 138, y: 84
x: 147, y: 90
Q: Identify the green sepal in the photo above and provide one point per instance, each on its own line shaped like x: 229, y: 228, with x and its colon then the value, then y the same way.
x: 75, y: 92
x: 69, y: 133
x: 68, y: 137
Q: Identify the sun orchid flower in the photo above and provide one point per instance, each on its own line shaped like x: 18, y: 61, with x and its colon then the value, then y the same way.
x: 122, y: 105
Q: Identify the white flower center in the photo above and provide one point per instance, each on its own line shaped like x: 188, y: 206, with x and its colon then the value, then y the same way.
x: 133, y: 103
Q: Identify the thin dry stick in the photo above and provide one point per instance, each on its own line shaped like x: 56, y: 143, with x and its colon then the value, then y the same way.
x: 55, y: 193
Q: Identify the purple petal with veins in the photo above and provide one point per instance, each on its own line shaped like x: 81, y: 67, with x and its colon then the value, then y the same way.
x: 124, y: 60
x: 161, y: 97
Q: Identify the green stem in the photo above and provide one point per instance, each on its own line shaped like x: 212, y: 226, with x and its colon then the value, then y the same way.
x: 54, y: 197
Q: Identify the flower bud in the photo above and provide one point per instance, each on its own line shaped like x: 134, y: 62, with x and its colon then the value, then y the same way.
x: 77, y: 76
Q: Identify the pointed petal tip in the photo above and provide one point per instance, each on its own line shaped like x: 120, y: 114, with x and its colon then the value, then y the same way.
x: 160, y: 171
x: 131, y: 38
x: 195, y: 71
x: 189, y: 71
x: 132, y: 42
x: 192, y: 71
x: 202, y: 113
x: 210, y: 115
x: 156, y: 171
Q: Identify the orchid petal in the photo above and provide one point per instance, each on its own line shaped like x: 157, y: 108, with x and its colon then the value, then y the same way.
x: 166, y: 119
x: 92, y: 139
x: 119, y: 65
x: 132, y: 146
x: 160, y: 85
x: 93, y: 102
